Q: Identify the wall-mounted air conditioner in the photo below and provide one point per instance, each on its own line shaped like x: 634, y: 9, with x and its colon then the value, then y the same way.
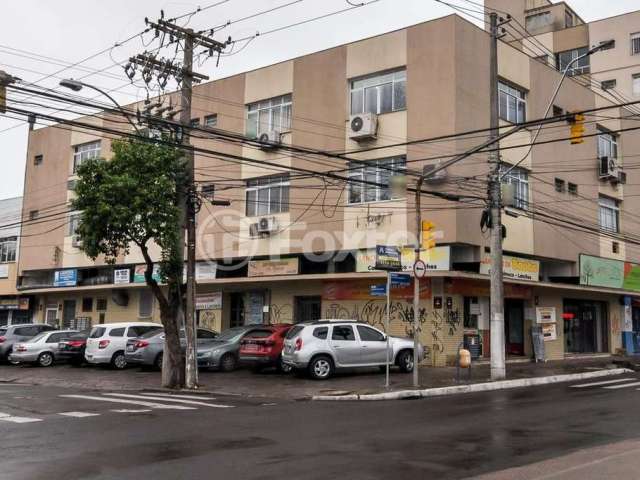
x: 363, y: 126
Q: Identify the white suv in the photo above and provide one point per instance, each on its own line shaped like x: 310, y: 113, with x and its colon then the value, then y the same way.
x: 107, y: 342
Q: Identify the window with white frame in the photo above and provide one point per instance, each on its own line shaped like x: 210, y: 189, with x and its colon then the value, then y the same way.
x: 84, y: 152
x: 635, y: 43
x: 267, y: 115
x: 363, y: 179
x: 267, y: 195
x: 607, y: 145
x: 74, y: 224
x: 512, y: 103
x: 8, y: 249
x: 519, y: 178
x: 609, y: 214
x: 380, y: 93
x: 580, y: 67
x: 211, y: 121
x: 635, y: 84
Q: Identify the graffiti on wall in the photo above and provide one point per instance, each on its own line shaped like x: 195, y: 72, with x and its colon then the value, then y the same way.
x: 375, y: 313
x: 281, y: 313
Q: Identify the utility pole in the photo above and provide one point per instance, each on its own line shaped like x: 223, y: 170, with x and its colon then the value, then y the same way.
x: 498, y: 370
x: 186, y: 200
x: 416, y: 285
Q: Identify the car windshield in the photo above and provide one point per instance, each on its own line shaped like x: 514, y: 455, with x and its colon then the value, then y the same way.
x: 294, y: 331
x: 38, y: 337
x: 97, y: 332
x: 231, y: 334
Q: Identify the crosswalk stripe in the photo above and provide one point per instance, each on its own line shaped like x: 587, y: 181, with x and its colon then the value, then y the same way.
x: 131, y: 410
x: 165, y: 399
x: 626, y: 385
x: 19, y: 419
x: 607, y: 382
x: 171, y: 395
x: 78, y: 414
x: 131, y: 402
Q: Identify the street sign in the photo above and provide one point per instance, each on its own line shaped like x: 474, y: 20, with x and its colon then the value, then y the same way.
x: 378, y: 290
x: 419, y: 268
x: 388, y: 258
x: 400, y: 279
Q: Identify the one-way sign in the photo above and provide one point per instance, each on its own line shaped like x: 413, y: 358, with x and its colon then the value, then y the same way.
x: 419, y: 269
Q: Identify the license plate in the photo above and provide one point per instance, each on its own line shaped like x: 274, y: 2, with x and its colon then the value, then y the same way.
x: 251, y: 348
x: 130, y: 348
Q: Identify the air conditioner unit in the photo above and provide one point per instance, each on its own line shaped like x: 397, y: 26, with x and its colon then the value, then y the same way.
x: 76, y: 241
x: 269, y: 139
x: 607, y: 168
x: 264, y: 226
x: 363, y: 126
x: 436, y: 177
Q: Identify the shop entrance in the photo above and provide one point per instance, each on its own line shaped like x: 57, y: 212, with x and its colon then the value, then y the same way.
x: 307, y: 309
x: 585, y: 326
x: 514, y: 326
x: 68, y: 313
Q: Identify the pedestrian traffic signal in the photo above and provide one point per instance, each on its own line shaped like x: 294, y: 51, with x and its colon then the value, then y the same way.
x: 428, y: 235
x: 577, y: 128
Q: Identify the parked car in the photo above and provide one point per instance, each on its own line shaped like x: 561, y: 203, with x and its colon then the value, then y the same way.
x: 263, y: 348
x: 41, y: 349
x: 9, y: 335
x: 72, y: 347
x: 106, y: 343
x: 147, y: 350
x: 324, y: 346
x: 222, y: 352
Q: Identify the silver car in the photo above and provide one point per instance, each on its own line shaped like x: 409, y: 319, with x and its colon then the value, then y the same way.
x: 326, y: 345
x: 9, y: 335
x: 222, y: 352
x: 41, y: 349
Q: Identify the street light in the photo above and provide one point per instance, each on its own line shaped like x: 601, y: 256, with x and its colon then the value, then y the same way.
x: 77, y: 85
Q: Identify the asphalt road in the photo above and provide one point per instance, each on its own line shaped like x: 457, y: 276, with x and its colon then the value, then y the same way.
x: 557, y: 431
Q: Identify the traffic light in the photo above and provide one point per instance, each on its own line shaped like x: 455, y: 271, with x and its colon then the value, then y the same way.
x: 577, y: 128
x: 428, y: 237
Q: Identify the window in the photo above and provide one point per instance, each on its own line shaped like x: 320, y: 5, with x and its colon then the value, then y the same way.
x: 117, y: 332
x: 101, y: 304
x: 145, y: 307
x: 572, y: 188
x: 85, y: 152
x: 321, y: 332
x: 471, y: 312
x: 607, y: 145
x: 512, y: 105
x: 97, y: 332
x: 635, y: 84
x: 615, y: 247
x: 608, y: 84
x: 380, y: 93
x: 194, y: 123
x: 368, y: 334
x: 568, y: 19
x: 375, y: 171
x: 559, y: 183
x: 37, y: 160
x: 580, y: 67
x: 211, y: 121
x: 208, y: 190
x: 557, y: 111
x: 267, y: 115
x: 609, y: 214
x: 74, y: 223
x: 538, y: 21
x: 267, y: 195
x: 518, y: 177
x: 55, y: 337
x: 33, y: 214
x: 87, y: 304
x: 344, y: 333
x: 8, y: 249
x: 635, y: 43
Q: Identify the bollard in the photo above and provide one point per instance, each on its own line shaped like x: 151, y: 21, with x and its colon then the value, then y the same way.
x: 464, y: 361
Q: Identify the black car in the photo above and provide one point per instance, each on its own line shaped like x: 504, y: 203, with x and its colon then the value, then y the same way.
x: 72, y: 348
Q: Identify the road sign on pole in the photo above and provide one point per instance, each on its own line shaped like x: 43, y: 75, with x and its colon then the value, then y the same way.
x: 378, y: 290
x: 400, y: 280
x: 419, y: 268
x: 388, y: 258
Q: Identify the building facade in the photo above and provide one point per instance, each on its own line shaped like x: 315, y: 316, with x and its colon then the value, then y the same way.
x: 296, y: 247
x: 14, y: 308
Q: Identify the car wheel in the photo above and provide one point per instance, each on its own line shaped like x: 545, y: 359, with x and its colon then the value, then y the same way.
x: 405, y: 361
x: 158, y: 362
x: 118, y: 361
x: 321, y: 367
x: 283, y: 367
x: 228, y: 362
x: 45, y: 359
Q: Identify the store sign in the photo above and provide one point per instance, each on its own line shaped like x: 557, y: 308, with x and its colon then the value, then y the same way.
x: 4, y: 270
x: 514, y: 267
x: 549, y: 332
x: 14, y: 303
x: 360, y: 289
x: 121, y: 276
x: 205, y: 271
x: 546, y: 314
x: 606, y: 272
x: 138, y: 273
x: 65, y: 278
x: 266, y: 268
x: 435, y: 259
x: 388, y: 258
x: 209, y: 301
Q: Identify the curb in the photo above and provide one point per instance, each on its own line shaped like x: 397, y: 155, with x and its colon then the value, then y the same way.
x: 473, y: 388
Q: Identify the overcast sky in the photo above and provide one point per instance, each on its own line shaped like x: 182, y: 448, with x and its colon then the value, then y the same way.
x: 53, y: 34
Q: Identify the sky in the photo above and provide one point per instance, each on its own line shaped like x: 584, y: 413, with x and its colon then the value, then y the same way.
x: 40, y: 37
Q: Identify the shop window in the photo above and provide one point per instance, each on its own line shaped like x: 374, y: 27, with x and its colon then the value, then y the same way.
x: 87, y: 304
x: 471, y: 312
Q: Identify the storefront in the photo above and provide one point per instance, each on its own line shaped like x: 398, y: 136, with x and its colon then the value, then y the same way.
x: 14, y: 310
x: 586, y: 326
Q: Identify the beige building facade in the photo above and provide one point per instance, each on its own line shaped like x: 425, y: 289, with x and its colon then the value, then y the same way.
x: 295, y: 247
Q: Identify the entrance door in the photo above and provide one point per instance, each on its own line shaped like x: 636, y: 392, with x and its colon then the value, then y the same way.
x: 51, y: 316
x: 68, y: 313
x: 581, y: 327
x: 307, y: 309
x: 514, y: 326
x: 237, y: 309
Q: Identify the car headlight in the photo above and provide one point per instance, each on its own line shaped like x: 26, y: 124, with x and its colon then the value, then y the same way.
x: 206, y: 354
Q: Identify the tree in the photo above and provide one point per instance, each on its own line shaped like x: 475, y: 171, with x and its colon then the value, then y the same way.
x: 132, y: 200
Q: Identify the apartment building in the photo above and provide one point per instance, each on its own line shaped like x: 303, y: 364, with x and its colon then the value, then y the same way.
x: 14, y: 308
x: 294, y: 247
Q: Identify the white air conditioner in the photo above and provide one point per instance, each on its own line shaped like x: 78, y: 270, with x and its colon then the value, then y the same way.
x: 607, y: 168
x: 76, y: 241
x: 363, y: 126
x: 269, y: 139
x: 264, y: 226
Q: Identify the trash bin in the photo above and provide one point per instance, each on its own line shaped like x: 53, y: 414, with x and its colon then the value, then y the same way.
x: 473, y: 343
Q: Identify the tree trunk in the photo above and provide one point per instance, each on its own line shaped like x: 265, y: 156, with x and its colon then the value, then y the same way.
x: 173, y: 358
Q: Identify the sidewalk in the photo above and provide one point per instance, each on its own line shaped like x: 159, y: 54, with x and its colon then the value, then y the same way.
x: 271, y: 385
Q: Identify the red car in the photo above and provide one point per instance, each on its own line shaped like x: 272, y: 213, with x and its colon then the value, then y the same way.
x: 262, y: 348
